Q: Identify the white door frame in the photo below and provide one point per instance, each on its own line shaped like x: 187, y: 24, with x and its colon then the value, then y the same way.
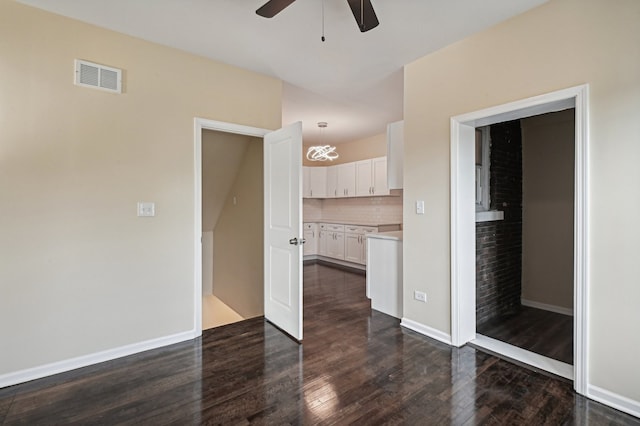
x: 201, y: 124
x: 463, y: 260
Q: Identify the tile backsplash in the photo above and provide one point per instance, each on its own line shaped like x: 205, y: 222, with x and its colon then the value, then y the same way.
x: 362, y: 210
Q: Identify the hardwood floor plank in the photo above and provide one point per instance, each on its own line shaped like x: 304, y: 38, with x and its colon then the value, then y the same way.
x: 5, y: 405
x: 543, y: 332
x: 356, y: 366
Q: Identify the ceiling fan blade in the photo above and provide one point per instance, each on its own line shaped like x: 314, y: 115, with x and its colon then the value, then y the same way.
x: 273, y: 7
x: 364, y: 14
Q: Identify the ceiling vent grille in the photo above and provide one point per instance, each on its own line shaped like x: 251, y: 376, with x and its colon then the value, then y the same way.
x: 98, y: 76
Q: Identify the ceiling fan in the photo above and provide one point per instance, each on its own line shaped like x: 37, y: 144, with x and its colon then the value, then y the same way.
x: 362, y: 11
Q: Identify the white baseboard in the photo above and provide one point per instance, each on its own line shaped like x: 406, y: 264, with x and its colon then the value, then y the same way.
x: 426, y: 330
x: 547, y: 307
x: 614, y: 400
x: 336, y: 261
x: 530, y: 358
x: 41, y: 371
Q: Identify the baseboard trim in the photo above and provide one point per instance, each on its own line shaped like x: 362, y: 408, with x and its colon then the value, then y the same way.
x: 330, y: 261
x: 426, y: 330
x: 547, y: 307
x: 41, y: 371
x: 614, y: 400
x: 527, y: 357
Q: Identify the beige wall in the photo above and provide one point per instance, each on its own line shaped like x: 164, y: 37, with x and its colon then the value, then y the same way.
x: 547, y: 208
x: 238, y: 238
x: 79, y: 272
x: 222, y: 154
x: 561, y: 44
x: 360, y: 149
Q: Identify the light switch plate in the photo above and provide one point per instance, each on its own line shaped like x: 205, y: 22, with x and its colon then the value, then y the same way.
x: 419, y: 207
x: 146, y: 209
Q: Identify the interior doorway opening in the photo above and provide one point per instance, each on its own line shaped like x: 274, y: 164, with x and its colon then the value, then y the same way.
x: 281, y: 227
x: 463, y: 254
x: 524, y: 266
x: 232, y: 223
x: 203, y: 243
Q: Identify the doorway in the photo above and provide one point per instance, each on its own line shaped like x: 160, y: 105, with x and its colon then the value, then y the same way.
x: 201, y: 125
x: 524, y: 261
x: 463, y: 256
x: 282, y: 225
x: 232, y: 223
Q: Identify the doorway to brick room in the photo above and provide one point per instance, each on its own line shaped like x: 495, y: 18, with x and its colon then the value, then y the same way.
x: 524, y: 255
x: 519, y: 231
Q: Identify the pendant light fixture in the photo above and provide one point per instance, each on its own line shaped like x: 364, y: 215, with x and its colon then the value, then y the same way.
x: 322, y: 152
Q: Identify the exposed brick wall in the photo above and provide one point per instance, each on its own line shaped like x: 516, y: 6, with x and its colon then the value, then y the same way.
x: 499, y: 243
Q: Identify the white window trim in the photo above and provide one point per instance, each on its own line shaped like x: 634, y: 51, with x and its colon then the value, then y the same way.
x: 483, y: 204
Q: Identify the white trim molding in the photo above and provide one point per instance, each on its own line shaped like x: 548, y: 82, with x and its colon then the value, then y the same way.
x: 462, y: 215
x: 426, y: 330
x: 527, y: 357
x: 547, y: 307
x: 41, y: 371
x: 614, y: 400
x: 489, y: 215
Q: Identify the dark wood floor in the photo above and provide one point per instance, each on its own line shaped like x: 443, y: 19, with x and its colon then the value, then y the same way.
x: 355, y: 366
x: 543, y: 332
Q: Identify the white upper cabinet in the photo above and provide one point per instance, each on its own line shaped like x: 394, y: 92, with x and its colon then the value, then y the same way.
x: 364, y: 171
x: 346, y: 180
x: 318, y: 182
x: 314, y: 182
x: 371, y: 177
x: 379, y: 176
x: 365, y: 178
x: 332, y: 181
x: 306, y: 182
x: 395, y: 154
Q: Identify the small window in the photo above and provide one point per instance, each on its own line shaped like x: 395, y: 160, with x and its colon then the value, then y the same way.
x: 483, y: 150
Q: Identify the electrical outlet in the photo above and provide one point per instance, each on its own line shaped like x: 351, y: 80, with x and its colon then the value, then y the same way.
x: 420, y: 295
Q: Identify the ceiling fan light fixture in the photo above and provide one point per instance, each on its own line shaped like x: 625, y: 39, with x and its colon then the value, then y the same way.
x: 362, y: 10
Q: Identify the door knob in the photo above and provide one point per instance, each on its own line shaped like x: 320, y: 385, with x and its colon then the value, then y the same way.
x: 297, y: 242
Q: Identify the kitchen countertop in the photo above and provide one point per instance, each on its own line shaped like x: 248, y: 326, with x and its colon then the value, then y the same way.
x: 340, y: 222
x: 391, y: 235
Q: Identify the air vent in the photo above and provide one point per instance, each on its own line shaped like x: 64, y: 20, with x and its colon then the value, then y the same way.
x: 98, y: 76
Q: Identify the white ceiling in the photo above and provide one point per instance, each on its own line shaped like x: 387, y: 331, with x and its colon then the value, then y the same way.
x: 353, y: 81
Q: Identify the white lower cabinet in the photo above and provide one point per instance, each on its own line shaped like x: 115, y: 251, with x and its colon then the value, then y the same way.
x: 323, y: 236
x: 384, y: 273
x: 352, y: 248
x: 355, y: 243
x: 335, y: 245
x: 310, y: 234
x: 346, y: 243
x: 333, y: 240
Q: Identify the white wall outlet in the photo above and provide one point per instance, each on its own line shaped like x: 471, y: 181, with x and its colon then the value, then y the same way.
x: 146, y: 209
x: 420, y: 295
x: 419, y: 207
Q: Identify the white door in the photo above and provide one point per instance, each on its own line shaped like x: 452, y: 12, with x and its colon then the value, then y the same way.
x: 283, y: 229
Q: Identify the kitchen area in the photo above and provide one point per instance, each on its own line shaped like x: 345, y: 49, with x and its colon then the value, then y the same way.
x: 352, y: 210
